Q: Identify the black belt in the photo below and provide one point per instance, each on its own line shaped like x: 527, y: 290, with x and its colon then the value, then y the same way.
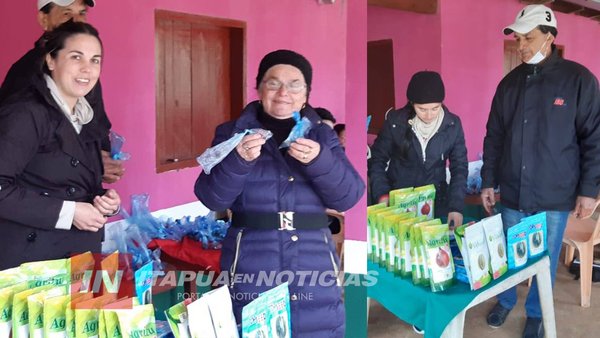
x: 279, y: 220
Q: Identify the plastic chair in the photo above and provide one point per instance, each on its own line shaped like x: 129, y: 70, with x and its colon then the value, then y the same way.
x: 583, y: 235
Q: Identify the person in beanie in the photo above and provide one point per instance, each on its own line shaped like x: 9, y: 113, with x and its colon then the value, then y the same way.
x: 278, y: 199
x: 51, y: 14
x: 541, y: 146
x: 417, y: 141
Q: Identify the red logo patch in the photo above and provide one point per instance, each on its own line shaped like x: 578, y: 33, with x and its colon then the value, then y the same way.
x: 559, y: 102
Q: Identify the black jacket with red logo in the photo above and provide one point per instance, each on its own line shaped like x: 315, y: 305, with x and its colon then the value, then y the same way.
x: 542, y: 145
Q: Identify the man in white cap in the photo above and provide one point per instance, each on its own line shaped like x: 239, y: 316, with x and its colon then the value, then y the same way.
x: 52, y: 13
x: 542, y: 146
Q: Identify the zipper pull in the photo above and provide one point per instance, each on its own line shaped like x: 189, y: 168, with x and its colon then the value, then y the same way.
x: 534, y: 70
x: 442, y: 156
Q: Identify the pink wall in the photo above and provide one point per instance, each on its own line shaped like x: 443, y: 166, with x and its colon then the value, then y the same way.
x: 472, y: 56
x: 356, y: 105
x: 127, y: 29
x: 416, y: 39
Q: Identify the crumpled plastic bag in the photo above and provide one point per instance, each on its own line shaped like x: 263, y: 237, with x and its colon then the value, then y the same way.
x: 116, y: 144
x: 300, y: 130
x: 214, y: 155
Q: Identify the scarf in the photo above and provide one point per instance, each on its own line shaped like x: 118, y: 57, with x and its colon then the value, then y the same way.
x: 82, y: 113
x: 426, y: 131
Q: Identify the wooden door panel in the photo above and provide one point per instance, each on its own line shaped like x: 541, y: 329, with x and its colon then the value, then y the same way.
x: 380, y: 82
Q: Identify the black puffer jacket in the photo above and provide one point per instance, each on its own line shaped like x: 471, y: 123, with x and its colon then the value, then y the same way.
x: 43, y: 162
x: 543, y: 137
x: 447, y: 144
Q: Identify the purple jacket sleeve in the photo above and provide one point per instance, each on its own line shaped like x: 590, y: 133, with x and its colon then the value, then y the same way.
x: 225, y: 183
x: 332, y: 176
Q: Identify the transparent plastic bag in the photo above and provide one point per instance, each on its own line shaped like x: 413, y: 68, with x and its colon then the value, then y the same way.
x: 300, y: 130
x: 116, y: 144
x: 214, y: 155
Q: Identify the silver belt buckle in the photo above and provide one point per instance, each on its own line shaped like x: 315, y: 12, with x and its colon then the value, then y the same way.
x: 286, y: 220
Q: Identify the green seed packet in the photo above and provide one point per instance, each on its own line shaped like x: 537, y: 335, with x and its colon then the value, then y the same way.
x: 55, y: 272
x: 87, y: 316
x: 138, y: 322
x: 6, y: 304
x: 370, y: 227
x: 426, y: 201
x: 55, y: 320
x: 109, y: 321
x: 10, y: 277
x: 76, y: 298
x: 35, y: 304
x: 439, y: 256
x: 178, y: 319
x: 393, y: 194
x: 20, y: 311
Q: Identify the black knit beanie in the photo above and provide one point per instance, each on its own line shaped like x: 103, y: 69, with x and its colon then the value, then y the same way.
x: 426, y: 87
x: 285, y: 57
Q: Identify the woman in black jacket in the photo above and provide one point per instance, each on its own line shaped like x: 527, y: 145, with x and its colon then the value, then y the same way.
x: 52, y: 203
x: 417, y: 141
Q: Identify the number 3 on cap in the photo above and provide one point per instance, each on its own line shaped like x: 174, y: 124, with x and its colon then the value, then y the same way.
x: 548, y: 17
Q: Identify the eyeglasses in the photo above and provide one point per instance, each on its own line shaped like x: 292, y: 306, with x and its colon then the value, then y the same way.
x: 292, y: 87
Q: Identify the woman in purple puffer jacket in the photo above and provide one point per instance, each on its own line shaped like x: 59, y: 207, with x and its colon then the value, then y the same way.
x: 278, y: 198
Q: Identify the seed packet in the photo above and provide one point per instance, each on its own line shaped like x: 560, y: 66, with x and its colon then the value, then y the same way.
x: 472, y: 243
x: 406, y: 201
x: 536, y: 234
x: 496, y: 244
x: 11, y: 277
x: 6, y: 307
x: 517, y: 245
x: 393, y: 194
x: 143, y: 283
x: 76, y: 298
x: 425, y: 206
x: 55, y: 321
x: 221, y: 312
x: 268, y: 315
x: 370, y: 228
x: 396, y: 223
x: 439, y: 256
x: 137, y: 322
x: 201, y: 326
x: 46, y: 272
x: 109, y: 320
x: 383, y: 235
x: 87, y: 316
x: 20, y: 311
x: 35, y: 305
x: 78, y: 266
x: 406, y: 244
x: 415, y: 242
x: 178, y: 319
x: 422, y: 254
x: 376, y: 233
x: 279, y: 306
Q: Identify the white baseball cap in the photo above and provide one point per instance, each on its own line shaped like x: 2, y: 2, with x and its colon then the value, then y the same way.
x: 63, y: 3
x: 531, y: 17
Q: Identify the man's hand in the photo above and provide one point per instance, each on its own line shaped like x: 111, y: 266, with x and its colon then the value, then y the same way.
x: 584, y: 207
x: 113, y: 170
x: 488, y: 199
x: 455, y: 219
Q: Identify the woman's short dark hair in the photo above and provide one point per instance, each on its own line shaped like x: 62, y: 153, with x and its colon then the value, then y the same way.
x: 46, y: 9
x: 54, y: 41
x: 548, y: 29
x: 325, y: 114
x: 339, y: 128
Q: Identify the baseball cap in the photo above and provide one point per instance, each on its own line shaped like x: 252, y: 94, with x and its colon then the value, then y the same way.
x: 63, y: 3
x: 531, y: 17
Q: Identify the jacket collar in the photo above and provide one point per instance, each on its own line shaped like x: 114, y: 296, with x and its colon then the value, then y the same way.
x: 71, y: 142
x: 550, y: 62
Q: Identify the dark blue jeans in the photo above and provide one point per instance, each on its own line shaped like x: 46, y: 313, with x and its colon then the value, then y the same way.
x: 557, y: 222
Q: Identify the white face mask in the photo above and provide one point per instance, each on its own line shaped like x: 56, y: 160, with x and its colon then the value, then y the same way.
x: 539, y: 57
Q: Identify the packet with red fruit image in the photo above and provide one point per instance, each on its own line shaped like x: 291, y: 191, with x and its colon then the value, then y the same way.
x: 426, y: 201
x: 439, y: 257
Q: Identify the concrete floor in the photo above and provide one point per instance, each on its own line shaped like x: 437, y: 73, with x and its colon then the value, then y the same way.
x: 572, y: 320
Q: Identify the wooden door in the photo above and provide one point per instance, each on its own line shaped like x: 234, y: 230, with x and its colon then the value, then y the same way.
x: 380, y: 82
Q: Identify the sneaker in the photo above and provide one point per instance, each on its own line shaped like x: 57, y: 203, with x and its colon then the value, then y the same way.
x: 534, y: 328
x: 418, y: 331
x: 497, y: 316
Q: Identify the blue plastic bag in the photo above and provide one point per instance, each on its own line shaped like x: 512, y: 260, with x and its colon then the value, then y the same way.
x: 300, y: 130
x: 214, y: 155
x: 536, y: 234
x: 116, y: 144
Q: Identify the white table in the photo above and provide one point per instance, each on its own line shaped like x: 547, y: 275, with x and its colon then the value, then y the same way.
x: 541, y: 270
